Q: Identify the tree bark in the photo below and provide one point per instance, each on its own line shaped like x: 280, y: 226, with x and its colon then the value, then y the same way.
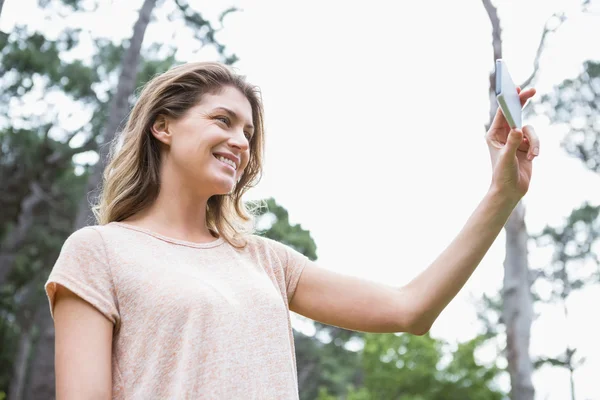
x: 26, y: 301
x: 41, y: 384
x: 15, y: 239
x: 17, y: 381
x: 517, y: 310
x: 42, y: 378
x: 517, y: 302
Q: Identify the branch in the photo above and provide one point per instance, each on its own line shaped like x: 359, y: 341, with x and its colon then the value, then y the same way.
x: 496, y: 30
x: 565, y: 360
x: 225, y: 13
x: 586, y: 7
x: 492, y: 13
x: 204, y: 31
x: 547, y: 29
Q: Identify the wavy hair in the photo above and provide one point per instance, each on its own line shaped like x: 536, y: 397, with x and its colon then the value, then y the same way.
x: 131, y: 177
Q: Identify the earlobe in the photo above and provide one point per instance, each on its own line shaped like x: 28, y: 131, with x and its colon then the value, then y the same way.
x: 160, y: 130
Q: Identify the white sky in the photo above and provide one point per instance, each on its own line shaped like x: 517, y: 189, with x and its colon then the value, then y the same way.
x: 375, y: 118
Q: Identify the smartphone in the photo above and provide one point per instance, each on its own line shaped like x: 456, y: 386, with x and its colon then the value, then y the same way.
x: 507, y: 96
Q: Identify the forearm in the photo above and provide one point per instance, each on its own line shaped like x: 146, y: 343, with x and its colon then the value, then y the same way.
x: 431, y: 291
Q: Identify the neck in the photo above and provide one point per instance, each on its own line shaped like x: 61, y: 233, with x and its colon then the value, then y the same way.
x: 177, y: 211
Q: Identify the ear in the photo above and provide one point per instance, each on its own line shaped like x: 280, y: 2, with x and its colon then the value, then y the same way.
x: 160, y: 129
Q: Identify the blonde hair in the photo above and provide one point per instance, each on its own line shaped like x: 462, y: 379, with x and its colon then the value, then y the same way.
x: 131, y: 178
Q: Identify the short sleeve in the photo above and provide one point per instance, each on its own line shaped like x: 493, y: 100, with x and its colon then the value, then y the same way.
x: 293, y: 263
x: 83, y: 268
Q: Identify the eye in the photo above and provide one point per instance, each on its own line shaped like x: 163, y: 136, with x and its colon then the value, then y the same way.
x: 224, y: 119
x: 248, y: 135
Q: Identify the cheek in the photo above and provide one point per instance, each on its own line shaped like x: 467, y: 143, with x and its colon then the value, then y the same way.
x: 240, y: 171
x: 189, y: 155
x: 244, y: 165
x: 184, y: 151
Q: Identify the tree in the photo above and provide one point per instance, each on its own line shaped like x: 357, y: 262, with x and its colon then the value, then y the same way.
x: 36, y: 170
x: 273, y: 222
x: 575, y: 264
x: 43, y: 181
x: 117, y: 112
x: 517, y: 302
x: 119, y: 105
x: 575, y: 104
x: 572, y: 244
x: 410, y: 367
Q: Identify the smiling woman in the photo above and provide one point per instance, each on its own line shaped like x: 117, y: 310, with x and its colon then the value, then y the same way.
x: 171, y: 295
x: 185, y: 118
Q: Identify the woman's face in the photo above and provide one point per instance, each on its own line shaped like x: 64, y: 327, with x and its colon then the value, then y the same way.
x: 209, y: 146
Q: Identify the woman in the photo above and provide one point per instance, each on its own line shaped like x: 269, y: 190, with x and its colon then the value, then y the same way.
x: 171, y: 296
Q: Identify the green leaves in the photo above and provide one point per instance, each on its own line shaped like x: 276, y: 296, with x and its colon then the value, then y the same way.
x: 30, y: 60
x: 390, y: 366
x: 575, y: 103
x: 573, y: 250
x: 54, y: 96
x: 282, y: 231
x: 404, y: 366
x: 204, y: 30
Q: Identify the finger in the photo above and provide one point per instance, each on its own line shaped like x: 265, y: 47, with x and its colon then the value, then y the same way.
x: 526, y: 95
x: 499, y: 121
x: 524, y: 147
x: 513, y: 141
x: 534, y: 142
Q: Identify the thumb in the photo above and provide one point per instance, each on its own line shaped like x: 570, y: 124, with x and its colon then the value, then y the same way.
x: 515, y: 137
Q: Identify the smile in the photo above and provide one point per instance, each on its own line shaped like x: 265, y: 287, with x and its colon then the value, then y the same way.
x: 226, y: 161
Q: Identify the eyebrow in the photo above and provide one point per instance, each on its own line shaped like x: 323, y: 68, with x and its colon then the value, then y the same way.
x: 234, y: 115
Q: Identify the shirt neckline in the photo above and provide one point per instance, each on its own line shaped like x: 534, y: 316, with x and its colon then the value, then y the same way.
x: 206, y: 245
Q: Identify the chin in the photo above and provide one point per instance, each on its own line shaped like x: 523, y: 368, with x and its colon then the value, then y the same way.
x: 223, y: 188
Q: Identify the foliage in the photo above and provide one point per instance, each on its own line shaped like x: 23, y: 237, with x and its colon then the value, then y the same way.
x: 410, y: 367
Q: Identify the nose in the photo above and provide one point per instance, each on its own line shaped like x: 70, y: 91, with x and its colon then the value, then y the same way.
x: 238, y: 140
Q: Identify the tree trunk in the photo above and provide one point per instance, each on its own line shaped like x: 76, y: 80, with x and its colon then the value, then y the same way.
x: 517, y: 303
x: 572, y: 382
x: 27, y: 316
x: 17, y: 381
x: 42, y: 385
x: 119, y: 108
x: 15, y: 239
x: 517, y: 310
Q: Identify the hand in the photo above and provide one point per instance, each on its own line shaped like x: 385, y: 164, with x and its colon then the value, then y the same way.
x: 512, y: 153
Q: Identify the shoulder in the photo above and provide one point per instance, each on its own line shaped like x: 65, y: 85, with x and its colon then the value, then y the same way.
x: 84, y: 245
x: 273, y: 248
x: 85, y: 237
x: 264, y: 243
x: 96, y: 234
x: 90, y: 239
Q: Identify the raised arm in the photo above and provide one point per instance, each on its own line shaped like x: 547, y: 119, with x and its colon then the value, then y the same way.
x: 362, y: 305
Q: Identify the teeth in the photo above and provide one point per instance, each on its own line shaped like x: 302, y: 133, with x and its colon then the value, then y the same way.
x: 226, y: 161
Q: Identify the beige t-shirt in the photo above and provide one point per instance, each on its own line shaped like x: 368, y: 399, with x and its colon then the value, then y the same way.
x: 192, y: 321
